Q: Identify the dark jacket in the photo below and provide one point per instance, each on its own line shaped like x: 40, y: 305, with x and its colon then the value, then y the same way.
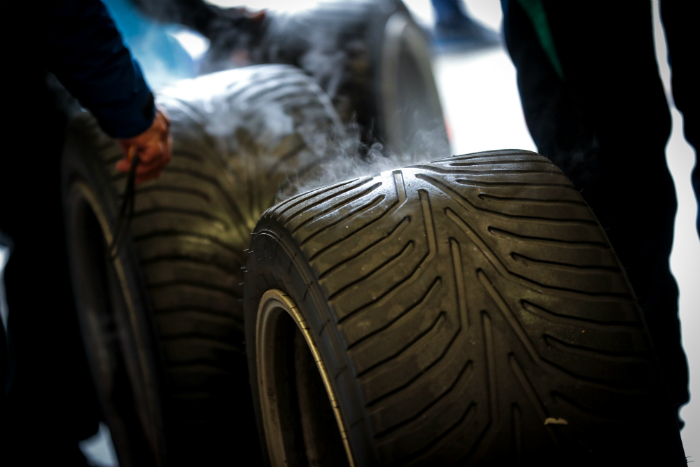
x: 81, y: 45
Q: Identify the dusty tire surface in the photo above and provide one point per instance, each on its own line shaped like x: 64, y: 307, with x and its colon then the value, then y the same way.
x: 468, y: 311
x: 238, y: 137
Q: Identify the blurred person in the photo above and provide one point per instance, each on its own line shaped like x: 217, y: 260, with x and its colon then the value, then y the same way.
x: 162, y: 58
x: 50, y: 402
x: 455, y: 30
x: 595, y: 105
x: 233, y: 32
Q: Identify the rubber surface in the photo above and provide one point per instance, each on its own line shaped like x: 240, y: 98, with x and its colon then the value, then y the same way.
x: 238, y: 137
x: 471, y: 312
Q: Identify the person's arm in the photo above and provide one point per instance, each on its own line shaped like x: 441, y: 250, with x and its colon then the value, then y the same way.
x: 86, y: 53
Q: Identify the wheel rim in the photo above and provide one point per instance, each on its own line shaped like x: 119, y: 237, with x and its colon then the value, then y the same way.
x: 298, y: 424
x: 111, y: 332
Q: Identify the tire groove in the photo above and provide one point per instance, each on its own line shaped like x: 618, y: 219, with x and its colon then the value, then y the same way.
x: 170, y: 258
x: 360, y: 182
x: 335, y: 207
x: 206, y: 311
x: 546, y: 241
x: 191, y: 111
x: 466, y: 417
x: 201, y: 285
x: 215, y: 318
x: 508, y: 315
x: 181, y: 211
x: 520, y: 200
x: 358, y: 210
x: 390, y: 209
x: 177, y: 233
x: 465, y: 203
x: 466, y: 369
x: 531, y: 394
x: 415, y: 378
x: 593, y: 382
x: 494, y: 259
x: 520, y: 258
x: 242, y: 221
x: 426, y: 298
x: 415, y: 274
x: 345, y: 261
x: 483, y: 183
x: 511, y: 172
x: 308, y: 194
x: 407, y: 249
x: 490, y: 365
x: 300, y: 146
x: 438, y: 319
x: 173, y: 189
x: 190, y: 338
x: 496, y: 163
x: 495, y: 154
x: 429, y: 223
x: 462, y: 311
x: 584, y: 351
x: 400, y: 185
x: 549, y: 315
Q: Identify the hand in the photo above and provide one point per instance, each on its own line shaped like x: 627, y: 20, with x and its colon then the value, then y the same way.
x: 256, y: 16
x: 153, y: 148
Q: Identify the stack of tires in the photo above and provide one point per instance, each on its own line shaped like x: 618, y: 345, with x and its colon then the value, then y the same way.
x: 163, y: 322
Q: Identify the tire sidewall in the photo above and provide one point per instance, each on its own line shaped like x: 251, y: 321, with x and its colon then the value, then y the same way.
x: 276, y: 262
x: 85, y: 180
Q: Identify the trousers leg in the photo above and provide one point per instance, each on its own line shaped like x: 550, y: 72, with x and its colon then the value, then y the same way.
x: 606, y: 124
x: 51, y: 403
x: 682, y: 37
x: 447, y: 10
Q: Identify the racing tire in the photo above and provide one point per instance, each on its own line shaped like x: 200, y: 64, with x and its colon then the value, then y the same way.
x: 468, y: 311
x: 369, y: 56
x: 163, y: 322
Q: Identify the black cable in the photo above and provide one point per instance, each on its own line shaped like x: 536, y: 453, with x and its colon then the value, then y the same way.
x: 126, y: 211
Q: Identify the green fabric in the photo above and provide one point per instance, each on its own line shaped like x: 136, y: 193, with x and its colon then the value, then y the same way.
x: 535, y: 10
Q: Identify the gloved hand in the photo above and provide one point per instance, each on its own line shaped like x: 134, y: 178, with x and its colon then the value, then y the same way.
x: 153, y: 148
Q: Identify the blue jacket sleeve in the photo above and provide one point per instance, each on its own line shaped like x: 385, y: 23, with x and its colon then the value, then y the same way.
x: 87, y: 55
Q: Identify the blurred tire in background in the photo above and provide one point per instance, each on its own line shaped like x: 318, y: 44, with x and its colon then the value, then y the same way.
x: 370, y: 57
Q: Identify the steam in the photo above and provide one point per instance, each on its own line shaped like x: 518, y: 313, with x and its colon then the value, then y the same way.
x: 346, y: 157
x: 255, y: 138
